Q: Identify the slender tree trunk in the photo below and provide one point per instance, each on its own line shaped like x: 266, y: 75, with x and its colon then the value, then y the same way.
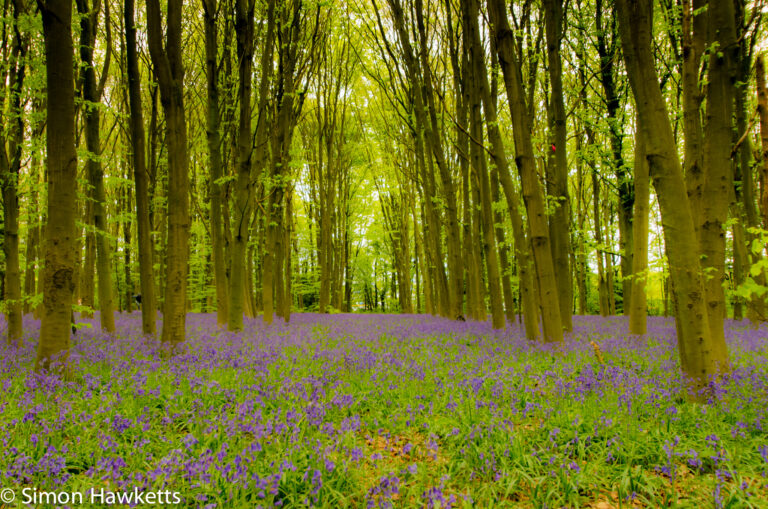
x: 740, y: 261
x: 140, y: 178
x: 532, y: 192
x: 501, y: 241
x: 638, y: 304
x: 694, y: 27
x: 91, y: 94
x: 607, y: 51
x: 498, y: 152
x: 560, y: 220
x: 213, y: 136
x: 242, y: 216
x: 169, y: 70
x: 429, y: 296
x: 58, y: 282
x: 127, y: 254
x: 33, y: 240
x: 609, y: 273
x: 87, y: 277
x: 744, y: 184
x: 602, y: 280
x: 10, y: 165
x: 762, y: 108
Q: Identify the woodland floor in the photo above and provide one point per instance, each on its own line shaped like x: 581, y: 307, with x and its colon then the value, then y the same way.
x: 388, y: 411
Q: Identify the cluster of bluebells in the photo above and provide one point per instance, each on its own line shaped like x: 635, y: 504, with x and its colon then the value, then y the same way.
x: 384, y: 410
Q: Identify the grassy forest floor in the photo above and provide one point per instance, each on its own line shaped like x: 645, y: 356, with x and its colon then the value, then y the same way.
x: 387, y: 411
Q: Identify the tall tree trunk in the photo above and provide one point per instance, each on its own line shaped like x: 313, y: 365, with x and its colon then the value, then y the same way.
x: 744, y: 184
x: 169, y: 71
x: 432, y: 134
x: 498, y: 152
x: 213, y: 137
x: 33, y: 241
x: 501, y: 241
x: 480, y: 167
x: 58, y: 282
x: 127, y: 253
x: 91, y: 94
x: 638, y: 303
x: 607, y: 51
x: 560, y: 220
x: 694, y: 27
x: 532, y: 192
x: 140, y: 178
x: 242, y: 216
x: 762, y: 108
x: 718, y: 176
x: 700, y: 356
x: 87, y: 277
x: 609, y: 273
x: 602, y: 278
x: 10, y: 164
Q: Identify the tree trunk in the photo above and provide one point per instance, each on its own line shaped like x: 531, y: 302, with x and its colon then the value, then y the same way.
x: 58, y: 282
x: 10, y: 164
x: 169, y: 72
x: 33, y: 241
x: 498, y: 152
x: 560, y: 220
x: 91, y: 94
x: 602, y: 278
x: 140, y: 177
x: 213, y: 137
x: 607, y: 51
x: 532, y: 192
x: 718, y: 176
x: 638, y: 303
x: 694, y: 26
x: 127, y: 253
x: 700, y: 356
x: 242, y: 211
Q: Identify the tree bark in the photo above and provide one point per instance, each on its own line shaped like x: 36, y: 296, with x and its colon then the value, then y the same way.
x: 700, y: 357
x: 638, y: 302
x: 532, y: 192
x: 242, y: 210
x: 140, y: 177
x: 91, y: 94
x: 213, y: 137
x: 10, y: 165
x: 718, y: 175
x: 169, y: 71
x: 58, y: 282
x: 560, y: 220
x: 607, y: 50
